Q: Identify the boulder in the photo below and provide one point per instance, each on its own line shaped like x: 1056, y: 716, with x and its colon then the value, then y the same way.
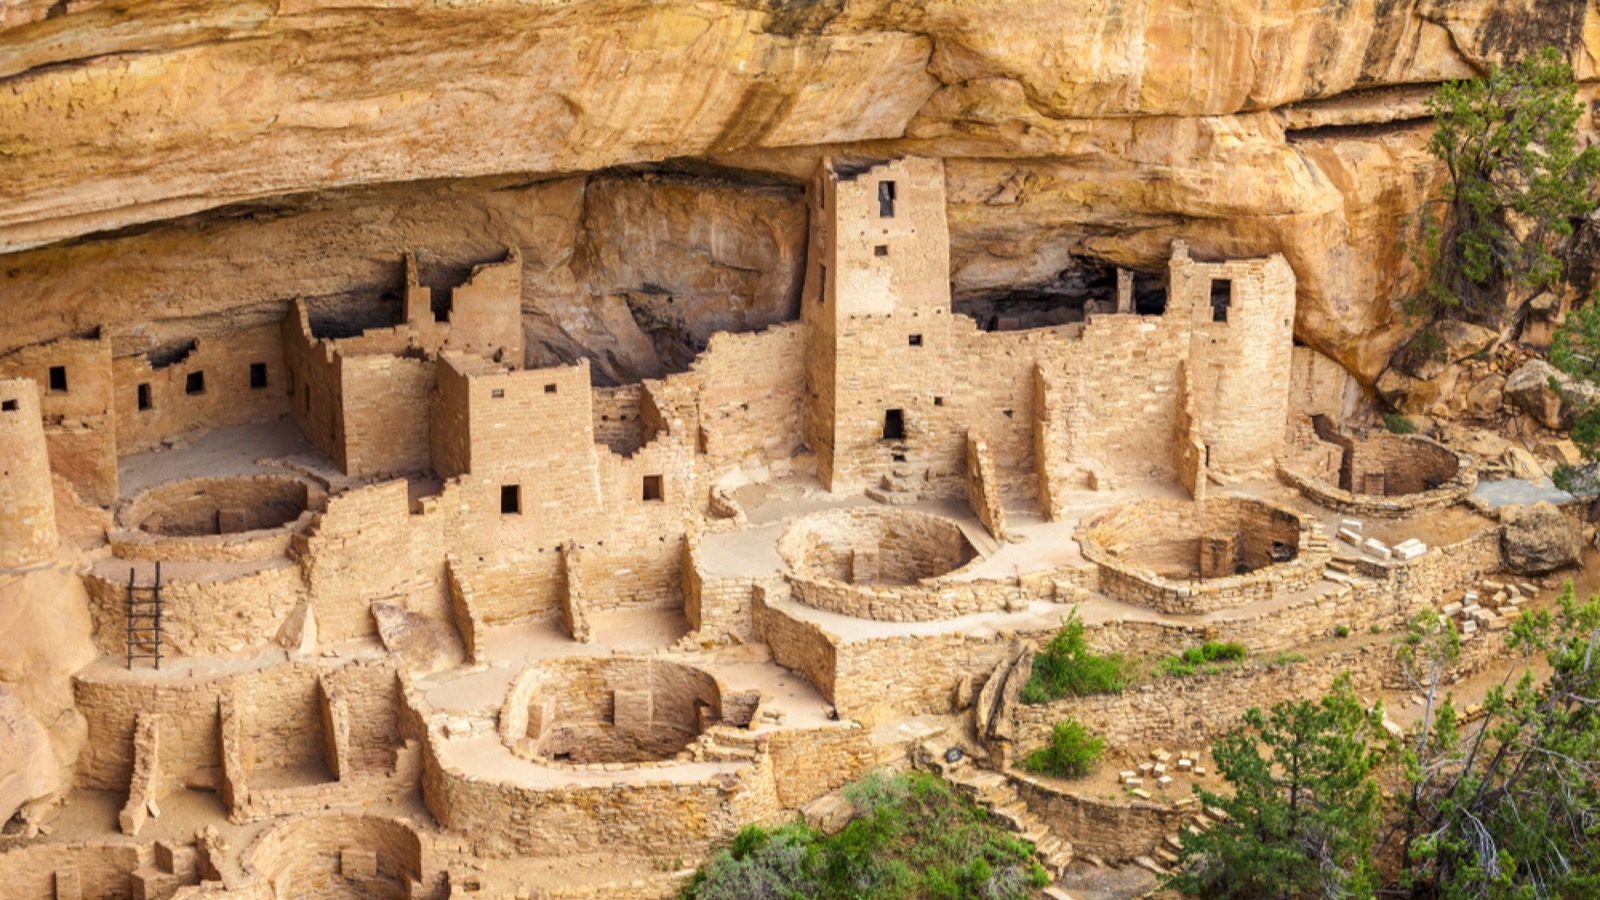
x: 1530, y: 389
x: 1484, y: 397
x: 1522, y: 464
x: 1537, y: 539
x: 1463, y: 339
x: 28, y: 769
x: 423, y: 645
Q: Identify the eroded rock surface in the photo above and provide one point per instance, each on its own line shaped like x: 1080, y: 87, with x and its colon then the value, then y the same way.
x: 1537, y: 539
x: 351, y: 131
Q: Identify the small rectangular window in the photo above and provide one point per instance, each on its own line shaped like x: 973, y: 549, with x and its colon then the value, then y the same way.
x: 258, y: 375
x: 195, y: 383
x: 885, y: 199
x: 881, y: 250
x: 549, y: 389
x: 652, y: 487
x: 144, y: 396
x: 8, y: 406
x: 498, y: 393
x: 510, y: 499
x: 914, y: 340
x: 1221, y: 299
x: 822, y: 283
x: 58, y: 379
x: 894, y: 425
x: 938, y: 401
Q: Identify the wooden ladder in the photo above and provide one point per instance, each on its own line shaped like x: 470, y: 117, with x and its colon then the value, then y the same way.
x: 144, y: 619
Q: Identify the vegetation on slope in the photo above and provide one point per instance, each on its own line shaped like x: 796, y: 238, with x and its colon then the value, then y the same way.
x: 1072, y: 752
x: 912, y: 837
x: 1515, y: 184
x: 1067, y: 668
x: 1324, y: 802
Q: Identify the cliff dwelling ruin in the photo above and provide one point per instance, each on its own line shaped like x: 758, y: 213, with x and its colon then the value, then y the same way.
x: 403, y: 528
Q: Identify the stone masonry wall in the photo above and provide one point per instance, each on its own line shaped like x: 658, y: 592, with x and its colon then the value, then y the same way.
x: 27, y: 502
x: 80, y: 421
x: 153, y: 403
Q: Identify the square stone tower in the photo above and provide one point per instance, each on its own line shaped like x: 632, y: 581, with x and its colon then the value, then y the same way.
x: 1240, y: 343
x: 877, y: 310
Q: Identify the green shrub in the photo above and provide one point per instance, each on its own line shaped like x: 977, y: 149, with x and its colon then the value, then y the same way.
x: 1342, y: 631
x: 1398, y: 424
x: 912, y: 837
x: 1072, y: 752
x: 1203, y: 659
x: 1067, y: 668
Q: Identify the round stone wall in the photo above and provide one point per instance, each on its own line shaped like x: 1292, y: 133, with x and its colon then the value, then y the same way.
x: 340, y: 857
x: 887, y: 564
x: 586, y: 711
x: 239, y: 518
x: 870, y: 545
x: 1183, y: 557
x: 1383, y: 475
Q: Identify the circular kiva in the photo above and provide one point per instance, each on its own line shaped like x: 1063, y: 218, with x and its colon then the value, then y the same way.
x: 582, y: 710
x: 1183, y: 557
x: 236, y: 518
x: 1380, y: 474
x: 887, y: 564
x: 340, y: 857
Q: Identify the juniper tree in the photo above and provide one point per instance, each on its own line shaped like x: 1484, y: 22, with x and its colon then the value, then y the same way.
x: 1514, y: 182
x: 1305, y: 808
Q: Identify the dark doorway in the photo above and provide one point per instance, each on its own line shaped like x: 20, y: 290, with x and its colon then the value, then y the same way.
x: 894, y: 425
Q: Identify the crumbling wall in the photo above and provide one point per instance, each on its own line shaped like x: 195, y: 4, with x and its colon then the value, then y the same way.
x: 486, y: 311
x: 982, y: 489
x: 617, y: 418
x: 1191, y: 460
x: 750, y: 391
x: 49, y: 871
x: 370, y: 546
x: 311, y: 370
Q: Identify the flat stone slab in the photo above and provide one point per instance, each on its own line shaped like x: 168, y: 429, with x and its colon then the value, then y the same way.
x: 1519, y: 492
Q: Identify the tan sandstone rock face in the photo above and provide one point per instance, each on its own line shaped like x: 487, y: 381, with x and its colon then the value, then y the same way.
x: 44, y: 615
x: 1072, y: 132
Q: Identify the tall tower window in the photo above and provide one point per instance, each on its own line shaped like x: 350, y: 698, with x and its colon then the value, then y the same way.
x: 58, y: 379
x: 1221, y: 298
x: 886, y: 199
x: 510, y: 499
x: 144, y: 396
x: 258, y: 375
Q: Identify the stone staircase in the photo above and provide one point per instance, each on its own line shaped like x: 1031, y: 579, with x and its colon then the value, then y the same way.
x: 993, y: 792
x: 724, y: 744
x: 1165, y: 857
x: 898, y: 488
x: 175, y: 865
